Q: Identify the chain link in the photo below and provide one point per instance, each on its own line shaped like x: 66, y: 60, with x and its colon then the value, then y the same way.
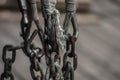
x: 35, y: 64
x: 52, y: 38
x: 68, y: 69
x: 8, y: 62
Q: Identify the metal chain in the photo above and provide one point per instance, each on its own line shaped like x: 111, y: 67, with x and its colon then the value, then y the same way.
x: 52, y: 38
x: 8, y: 62
x: 68, y: 69
x: 35, y: 58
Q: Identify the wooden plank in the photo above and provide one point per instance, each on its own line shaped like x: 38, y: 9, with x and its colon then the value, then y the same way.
x: 83, y: 5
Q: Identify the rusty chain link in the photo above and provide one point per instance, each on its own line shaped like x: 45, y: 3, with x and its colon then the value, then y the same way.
x: 54, y: 38
x: 35, y: 64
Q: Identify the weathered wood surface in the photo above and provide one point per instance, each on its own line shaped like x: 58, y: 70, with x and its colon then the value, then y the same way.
x: 98, y: 45
x: 82, y: 5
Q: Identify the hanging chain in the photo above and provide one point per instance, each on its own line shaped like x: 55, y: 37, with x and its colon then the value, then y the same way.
x: 68, y: 69
x: 54, y: 38
x: 35, y: 59
x: 8, y: 62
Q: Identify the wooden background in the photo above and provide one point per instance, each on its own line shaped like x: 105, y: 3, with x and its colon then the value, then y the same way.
x: 82, y: 5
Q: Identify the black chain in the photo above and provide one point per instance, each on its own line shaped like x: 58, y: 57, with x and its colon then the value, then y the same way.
x: 8, y: 62
x: 68, y: 69
x: 51, y: 38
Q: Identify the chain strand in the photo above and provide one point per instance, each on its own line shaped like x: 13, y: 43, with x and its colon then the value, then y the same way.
x: 8, y: 62
x: 53, y: 37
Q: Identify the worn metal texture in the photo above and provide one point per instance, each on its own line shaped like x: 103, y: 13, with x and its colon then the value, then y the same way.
x: 98, y: 46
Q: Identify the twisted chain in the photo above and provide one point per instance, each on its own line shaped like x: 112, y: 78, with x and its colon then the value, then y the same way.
x: 53, y: 38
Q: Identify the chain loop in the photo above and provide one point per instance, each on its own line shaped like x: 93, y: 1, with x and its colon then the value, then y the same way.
x: 68, y: 72
x: 35, y: 58
x: 8, y: 62
x: 53, y: 38
x: 3, y: 76
x: 5, y: 49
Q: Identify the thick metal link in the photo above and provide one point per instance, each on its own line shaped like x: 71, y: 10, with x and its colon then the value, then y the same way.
x: 65, y: 58
x: 5, y: 50
x: 36, y: 68
x: 35, y: 54
x: 70, y: 52
x: 68, y: 72
x: 3, y: 76
x: 52, y: 38
x: 8, y: 62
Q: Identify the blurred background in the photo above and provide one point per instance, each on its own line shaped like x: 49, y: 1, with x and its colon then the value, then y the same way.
x: 98, y: 46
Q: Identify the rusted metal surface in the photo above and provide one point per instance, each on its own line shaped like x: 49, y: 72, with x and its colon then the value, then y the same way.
x: 53, y: 38
x: 98, y: 45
